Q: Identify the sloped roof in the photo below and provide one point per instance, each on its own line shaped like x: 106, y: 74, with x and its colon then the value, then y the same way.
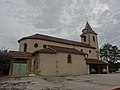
x: 58, y: 40
x: 66, y: 50
x: 20, y: 55
x: 88, y: 29
x: 95, y: 61
x: 55, y: 49
x: 45, y: 50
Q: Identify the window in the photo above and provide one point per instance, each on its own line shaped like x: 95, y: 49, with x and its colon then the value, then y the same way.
x: 35, y: 45
x: 89, y: 51
x: 84, y: 38
x: 25, y: 47
x: 81, y: 50
x: 93, y: 38
x: 44, y: 46
x: 69, y: 60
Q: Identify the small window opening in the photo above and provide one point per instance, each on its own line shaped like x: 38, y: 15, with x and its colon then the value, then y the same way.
x: 25, y: 47
x: 44, y: 46
x: 93, y: 38
x: 84, y: 38
x: 69, y: 60
x: 81, y: 50
x: 89, y: 51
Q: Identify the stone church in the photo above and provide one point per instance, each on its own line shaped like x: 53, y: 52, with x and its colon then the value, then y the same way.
x: 57, y: 56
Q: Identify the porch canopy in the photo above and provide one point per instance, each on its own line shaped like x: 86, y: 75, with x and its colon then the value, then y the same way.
x: 95, y: 61
x: 97, y: 66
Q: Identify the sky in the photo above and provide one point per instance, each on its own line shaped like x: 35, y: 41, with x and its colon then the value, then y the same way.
x: 59, y: 18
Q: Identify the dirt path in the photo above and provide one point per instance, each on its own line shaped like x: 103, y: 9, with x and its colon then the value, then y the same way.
x: 85, y: 82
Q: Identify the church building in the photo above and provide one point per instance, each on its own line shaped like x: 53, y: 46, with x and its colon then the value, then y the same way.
x: 57, y: 56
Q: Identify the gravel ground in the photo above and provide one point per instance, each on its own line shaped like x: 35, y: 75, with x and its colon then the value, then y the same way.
x: 85, y: 82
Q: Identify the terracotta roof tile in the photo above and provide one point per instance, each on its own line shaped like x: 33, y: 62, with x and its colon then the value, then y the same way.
x: 45, y: 50
x: 66, y: 50
x: 95, y: 61
x: 18, y: 54
x: 58, y: 40
x: 55, y: 49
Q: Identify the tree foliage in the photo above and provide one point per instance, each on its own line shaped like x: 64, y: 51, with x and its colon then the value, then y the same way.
x: 111, y: 54
x: 5, y: 61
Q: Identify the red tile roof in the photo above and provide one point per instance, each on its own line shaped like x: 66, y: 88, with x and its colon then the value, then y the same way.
x: 22, y: 55
x: 54, y: 49
x: 45, y: 50
x: 66, y: 50
x: 58, y: 40
x: 95, y: 61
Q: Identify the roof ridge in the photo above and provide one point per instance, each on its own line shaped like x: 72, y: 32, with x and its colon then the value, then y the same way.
x: 66, y: 49
x: 43, y: 50
x: 59, y: 46
x: 56, y: 39
x: 63, y: 47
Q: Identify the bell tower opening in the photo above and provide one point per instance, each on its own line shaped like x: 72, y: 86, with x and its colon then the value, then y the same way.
x: 89, y: 36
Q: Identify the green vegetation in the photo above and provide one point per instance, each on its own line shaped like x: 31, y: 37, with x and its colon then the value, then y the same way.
x: 111, y: 54
x: 5, y: 62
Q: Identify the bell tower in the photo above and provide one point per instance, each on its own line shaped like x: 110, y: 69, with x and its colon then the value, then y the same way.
x: 89, y: 36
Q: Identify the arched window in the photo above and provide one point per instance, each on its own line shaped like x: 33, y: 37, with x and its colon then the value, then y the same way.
x: 25, y: 47
x: 84, y: 38
x: 81, y: 50
x: 69, y: 60
x: 44, y: 46
x: 93, y: 38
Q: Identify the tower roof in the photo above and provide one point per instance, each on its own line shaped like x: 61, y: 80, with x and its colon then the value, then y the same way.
x: 88, y: 29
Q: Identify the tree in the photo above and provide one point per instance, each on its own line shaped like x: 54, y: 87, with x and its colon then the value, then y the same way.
x: 111, y: 54
x: 5, y: 62
x: 104, y: 51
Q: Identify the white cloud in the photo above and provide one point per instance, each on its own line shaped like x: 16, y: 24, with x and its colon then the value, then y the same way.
x: 62, y: 18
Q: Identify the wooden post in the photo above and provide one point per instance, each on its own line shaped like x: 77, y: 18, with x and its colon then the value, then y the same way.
x: 107, y: 69
x: 99, y: 69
